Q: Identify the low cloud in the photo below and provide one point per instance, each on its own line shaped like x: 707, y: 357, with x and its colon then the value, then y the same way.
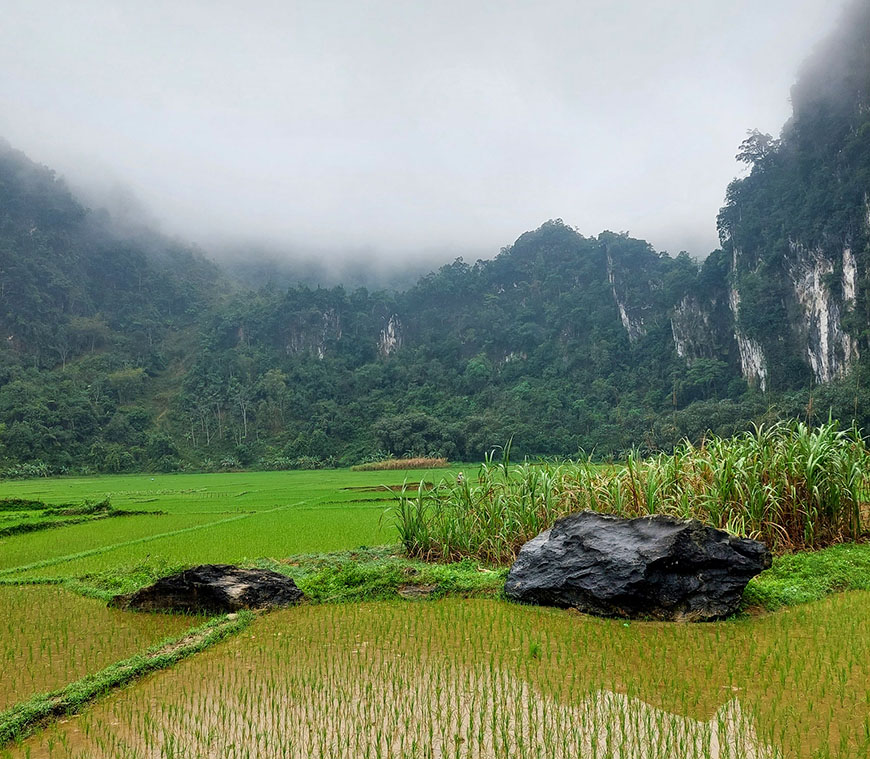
x: 395, y: 130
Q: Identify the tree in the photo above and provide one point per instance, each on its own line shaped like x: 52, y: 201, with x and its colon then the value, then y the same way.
x: 88, y: 332
x: 127, y: 383
x: 756, y: 147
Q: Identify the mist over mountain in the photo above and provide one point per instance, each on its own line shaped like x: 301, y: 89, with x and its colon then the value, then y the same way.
x: 259, y: 267
x: 124, y: 348
x: 393, y: 129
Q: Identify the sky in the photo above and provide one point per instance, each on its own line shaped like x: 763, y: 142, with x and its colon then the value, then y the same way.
x: 402, y: 129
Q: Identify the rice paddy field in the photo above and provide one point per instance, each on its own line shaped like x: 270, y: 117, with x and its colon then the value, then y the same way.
x: 449, y: 677
x: 50, y: 637
x: 204, y: 518
x: 482, y: 678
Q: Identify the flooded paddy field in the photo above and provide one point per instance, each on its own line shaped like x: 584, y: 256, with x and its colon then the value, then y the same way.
x: 50, y: 637
x: 483, y: 678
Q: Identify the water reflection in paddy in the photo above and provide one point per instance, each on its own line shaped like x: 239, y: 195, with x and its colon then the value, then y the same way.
x: 485, y: 678
x: 50, y: 637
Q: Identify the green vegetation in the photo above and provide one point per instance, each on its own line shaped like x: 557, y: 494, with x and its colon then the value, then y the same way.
x: 809, y: 576
x: 803, y: 201
x: 789, y: 485
x: 376, y: 574
x: 52, y: 547
x: 382, y: 574
x: 117, y: 563
x: 21, y: 719
x: 126, y: 352
x: 123, y: 355
x: 50, y: 637
x: 231, y: 517
x: 475, y: 677
x: 20, y: 515
x: 219, y: 492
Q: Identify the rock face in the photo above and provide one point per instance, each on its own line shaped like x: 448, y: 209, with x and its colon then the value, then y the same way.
x: 214, y: 588
x: 656, y: 567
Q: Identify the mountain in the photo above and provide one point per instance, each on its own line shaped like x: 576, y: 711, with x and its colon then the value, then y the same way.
x: 122, y: 349
x: 795, y: 232
x: 88, y: 315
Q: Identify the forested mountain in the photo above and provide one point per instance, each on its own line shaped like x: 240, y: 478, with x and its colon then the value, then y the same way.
x: 795, y: 232
x: 122, y: 350
x: 88, y: 318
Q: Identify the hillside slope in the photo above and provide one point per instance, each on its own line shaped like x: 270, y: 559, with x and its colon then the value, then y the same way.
x: 795, y: 232
x: 86, y: 312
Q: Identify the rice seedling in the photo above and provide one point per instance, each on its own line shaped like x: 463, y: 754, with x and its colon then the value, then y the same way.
x: 787, y: 484
x: 49, y: 546
x: 225, y: 517
x: 22, y: 718
x: 238, y: 539
x: 49, y: 637
x: 220, y: 492
x: 478, y: 678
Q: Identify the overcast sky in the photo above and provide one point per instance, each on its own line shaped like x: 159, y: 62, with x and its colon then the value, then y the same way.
x: 404, y: 127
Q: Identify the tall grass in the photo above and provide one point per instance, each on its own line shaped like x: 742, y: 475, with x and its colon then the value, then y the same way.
x: 788, y: 484
x: 420, y: 462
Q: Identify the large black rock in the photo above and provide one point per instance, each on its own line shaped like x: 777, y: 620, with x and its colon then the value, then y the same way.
x: 651, y: 567
x: 214, y: 588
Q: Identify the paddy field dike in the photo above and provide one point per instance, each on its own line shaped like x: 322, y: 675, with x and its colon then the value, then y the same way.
x: 390, y: 655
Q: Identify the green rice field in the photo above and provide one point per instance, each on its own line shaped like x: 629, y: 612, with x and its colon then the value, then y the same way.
x: 205, y: 518
x: 482, y: 678
x: 50, y: 637
x: 447, y: 677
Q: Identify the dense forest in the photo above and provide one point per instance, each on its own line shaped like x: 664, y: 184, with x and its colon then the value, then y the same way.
x: 123, y: 350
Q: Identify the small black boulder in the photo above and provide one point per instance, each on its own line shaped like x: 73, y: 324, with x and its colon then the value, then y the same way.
x: 214, y: 588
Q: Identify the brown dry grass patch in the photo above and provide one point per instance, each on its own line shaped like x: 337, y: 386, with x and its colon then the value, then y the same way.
x: 392, y: 464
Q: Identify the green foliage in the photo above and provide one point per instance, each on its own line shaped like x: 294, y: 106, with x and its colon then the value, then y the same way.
x: 806, y: 194
x: 378, y: 574
x: 21, y: 719
x: 125, y: 352
x: 809, y: 576
x: 787, y: 484
x: 42, y: 516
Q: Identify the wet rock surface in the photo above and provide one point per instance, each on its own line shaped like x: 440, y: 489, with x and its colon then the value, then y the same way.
x: 651, y: 567
x: 214, y: 588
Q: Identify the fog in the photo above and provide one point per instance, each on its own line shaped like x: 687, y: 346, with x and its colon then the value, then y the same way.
x: 383, y: 130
